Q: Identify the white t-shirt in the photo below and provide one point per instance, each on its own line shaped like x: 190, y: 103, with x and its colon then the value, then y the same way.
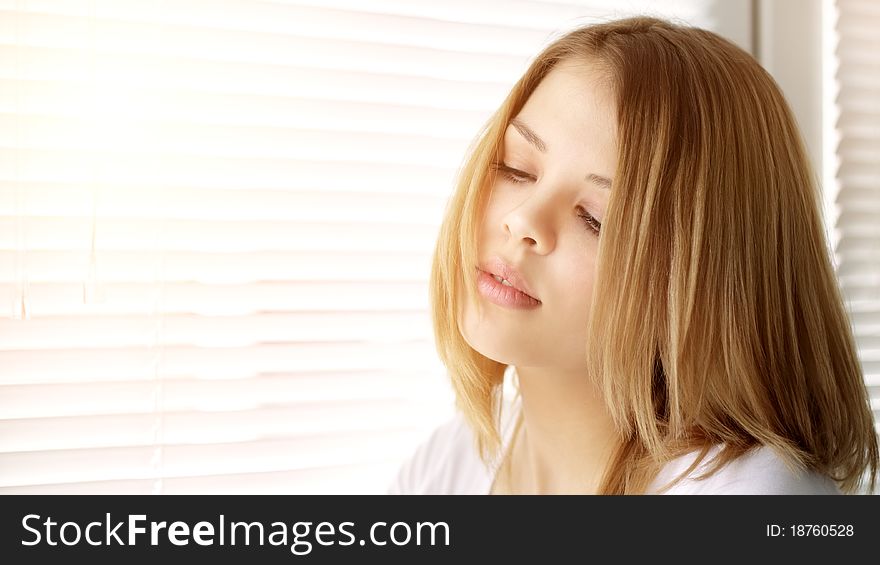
x: 448, y: 463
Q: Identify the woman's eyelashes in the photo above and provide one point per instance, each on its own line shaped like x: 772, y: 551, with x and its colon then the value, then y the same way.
x: 511, y: 174
x: 592, y: 223
x: 517, y: 176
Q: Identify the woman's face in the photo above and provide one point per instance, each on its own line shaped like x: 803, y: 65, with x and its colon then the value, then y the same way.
x: 549, y: 195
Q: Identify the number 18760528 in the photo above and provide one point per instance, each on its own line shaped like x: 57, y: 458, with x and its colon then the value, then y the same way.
x: 810, y: 530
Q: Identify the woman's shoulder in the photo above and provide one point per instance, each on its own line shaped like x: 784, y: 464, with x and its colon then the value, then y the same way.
x: 447, y: 461
x: 444, y: 463
x: 759, y: 471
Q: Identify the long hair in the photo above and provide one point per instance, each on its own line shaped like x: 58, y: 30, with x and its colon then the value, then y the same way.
x: 713, y: 271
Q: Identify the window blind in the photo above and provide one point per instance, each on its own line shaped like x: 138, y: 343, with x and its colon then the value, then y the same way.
x: 857, y: 222
x: 216, y: 222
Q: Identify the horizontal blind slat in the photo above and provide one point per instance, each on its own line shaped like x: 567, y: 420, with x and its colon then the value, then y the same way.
x: 226, y: 141
x: 90, y: 365
x: 132, y: 201
x: 204, y: 267
x: 66, y: 299
x: 180, y: 461
x: 360, y: 478
x: 109, y: 75
x: 231, y: 173
x: 303, y: 21
x: 132, y: 234
x: 541, y: 13
x: 195, y: 428
x: 69, y: 332
x: 59, y: 99
x: 290, y: 49
x: 508, y: 13
x: 186, y: 394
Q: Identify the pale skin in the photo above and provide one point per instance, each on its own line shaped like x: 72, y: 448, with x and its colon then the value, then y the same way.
x: 560, y: 154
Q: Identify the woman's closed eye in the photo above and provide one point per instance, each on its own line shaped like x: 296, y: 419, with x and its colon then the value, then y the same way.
x: 592, y: 223
x: 511, y: 174
x: 518, y: 177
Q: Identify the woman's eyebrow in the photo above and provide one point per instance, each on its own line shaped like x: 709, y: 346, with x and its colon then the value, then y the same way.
x: 538, y: 143
x: 529, y: 135
x: 603, y: 182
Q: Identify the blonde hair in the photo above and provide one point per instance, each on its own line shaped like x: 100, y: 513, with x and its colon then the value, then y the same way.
x: 713, y: 269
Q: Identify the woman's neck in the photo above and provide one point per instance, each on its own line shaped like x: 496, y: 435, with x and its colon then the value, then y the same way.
x: 566, y: 437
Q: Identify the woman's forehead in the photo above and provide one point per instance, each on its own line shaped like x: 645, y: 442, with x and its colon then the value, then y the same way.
x: 569, y: 117
x: 572, y: 99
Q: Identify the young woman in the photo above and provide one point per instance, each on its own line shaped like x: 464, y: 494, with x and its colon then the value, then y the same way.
x: 636, y: 243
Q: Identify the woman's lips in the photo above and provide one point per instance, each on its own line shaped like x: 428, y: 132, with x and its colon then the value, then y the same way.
x: 498, y: 267
x: 503, y: 295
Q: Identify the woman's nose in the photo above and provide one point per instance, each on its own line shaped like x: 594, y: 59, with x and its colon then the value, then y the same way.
x: 530, y: 224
